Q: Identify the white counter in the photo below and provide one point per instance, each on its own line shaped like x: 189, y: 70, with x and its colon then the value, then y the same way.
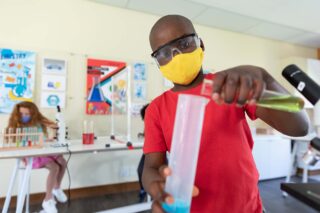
x: 272, y: 155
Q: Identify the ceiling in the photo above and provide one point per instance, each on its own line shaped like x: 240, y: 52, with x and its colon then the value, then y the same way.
x: 294, y: 21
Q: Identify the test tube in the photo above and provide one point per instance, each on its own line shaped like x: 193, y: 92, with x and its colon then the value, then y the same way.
x: 24, y: 136
x: 5, y: 137
x: 268, y: 99
x: 36, y: 130
x: 35, y: 135
x: 2, y: 138
x: 184, y: 151
x: 29, y: 140
x: 18, y: 137
x: 11, y: 137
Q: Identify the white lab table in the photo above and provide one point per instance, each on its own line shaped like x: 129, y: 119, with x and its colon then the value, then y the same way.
x: 75, y: 147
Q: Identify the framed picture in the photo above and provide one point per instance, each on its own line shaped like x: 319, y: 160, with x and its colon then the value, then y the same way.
x: 139, y: 71
x: 54, y: 66
x: 53, y: 83
x: 52, y: 99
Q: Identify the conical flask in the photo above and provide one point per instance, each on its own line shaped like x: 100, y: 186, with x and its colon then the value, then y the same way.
x: 96, y: 94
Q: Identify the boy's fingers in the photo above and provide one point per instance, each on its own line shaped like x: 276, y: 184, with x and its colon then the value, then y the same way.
x: 245, y: 89
x: 164, y: 171
x: 169, y: 199
x: 156, y: 207
x: 195, y: 191
x: 156, y: 190
x: 218, y: 83
x: 231, y: 87
x: 258, y: 89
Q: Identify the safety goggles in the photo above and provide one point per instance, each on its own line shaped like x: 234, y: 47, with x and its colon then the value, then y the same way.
x: 184, y: 44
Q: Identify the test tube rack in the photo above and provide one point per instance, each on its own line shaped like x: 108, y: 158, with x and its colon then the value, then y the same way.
x: 21, y: 139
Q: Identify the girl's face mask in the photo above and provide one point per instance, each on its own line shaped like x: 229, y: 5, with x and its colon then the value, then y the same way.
x: 25, y: 119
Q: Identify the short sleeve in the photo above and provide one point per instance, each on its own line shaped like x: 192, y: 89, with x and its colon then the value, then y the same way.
x: 153, y: 135
x: 251, y: 111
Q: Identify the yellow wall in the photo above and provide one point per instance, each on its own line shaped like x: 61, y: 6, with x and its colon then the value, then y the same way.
x: 77, y: 29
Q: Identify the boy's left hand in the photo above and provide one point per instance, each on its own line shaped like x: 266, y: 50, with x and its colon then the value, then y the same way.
x: 240, y: 84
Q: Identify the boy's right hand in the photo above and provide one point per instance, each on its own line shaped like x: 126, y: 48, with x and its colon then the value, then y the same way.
x: 156, y: 190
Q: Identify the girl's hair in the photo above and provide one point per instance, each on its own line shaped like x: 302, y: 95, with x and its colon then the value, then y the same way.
x: 36, y: 117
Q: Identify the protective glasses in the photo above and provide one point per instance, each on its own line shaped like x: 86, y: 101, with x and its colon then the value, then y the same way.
x: 184, y: 44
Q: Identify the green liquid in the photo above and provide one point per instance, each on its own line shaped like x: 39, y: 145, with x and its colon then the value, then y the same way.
x: 286, y: 103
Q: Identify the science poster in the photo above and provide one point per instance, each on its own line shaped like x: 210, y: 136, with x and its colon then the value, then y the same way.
x: 100, y: 87
x: 17, y: 77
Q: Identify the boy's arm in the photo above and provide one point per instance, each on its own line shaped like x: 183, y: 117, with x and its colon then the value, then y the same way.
x: 246, y: 83
x: 293, y: 124
x: 153, y: 178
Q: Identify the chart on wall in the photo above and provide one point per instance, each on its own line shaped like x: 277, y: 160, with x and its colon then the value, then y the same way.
x: 102, y: 76
x: 139, y: 89
x: 53, y: 83
x: 17, y: 77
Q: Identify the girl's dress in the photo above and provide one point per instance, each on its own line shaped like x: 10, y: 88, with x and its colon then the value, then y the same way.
x: 41, y: 162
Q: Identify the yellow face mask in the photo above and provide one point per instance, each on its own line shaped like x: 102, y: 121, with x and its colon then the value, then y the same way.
x: 183, y: 68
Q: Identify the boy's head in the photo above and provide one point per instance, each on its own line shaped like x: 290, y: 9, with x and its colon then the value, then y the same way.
x: 176, y: 48
x: 168, y: 28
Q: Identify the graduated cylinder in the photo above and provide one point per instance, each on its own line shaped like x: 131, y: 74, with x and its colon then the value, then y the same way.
x: 184, y: 151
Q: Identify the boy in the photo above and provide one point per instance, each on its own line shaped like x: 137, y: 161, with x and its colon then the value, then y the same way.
x: 226, y: 178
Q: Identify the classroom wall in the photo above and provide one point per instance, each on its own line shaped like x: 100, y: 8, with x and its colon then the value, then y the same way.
x: 77, y: 29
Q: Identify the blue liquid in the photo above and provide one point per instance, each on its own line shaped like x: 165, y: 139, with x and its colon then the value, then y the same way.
x: 179, y: 206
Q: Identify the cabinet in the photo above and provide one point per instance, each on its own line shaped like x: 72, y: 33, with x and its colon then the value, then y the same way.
x: 272, y: 156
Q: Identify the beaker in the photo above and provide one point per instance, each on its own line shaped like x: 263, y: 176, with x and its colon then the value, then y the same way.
x: 184, y: 151
x: 96, y: 94
x: 88, y: 132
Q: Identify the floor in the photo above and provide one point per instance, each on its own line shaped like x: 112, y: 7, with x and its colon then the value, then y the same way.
x: 270, y: 193
x: 274, y: 202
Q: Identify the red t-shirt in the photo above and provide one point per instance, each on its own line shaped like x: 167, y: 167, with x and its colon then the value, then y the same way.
x: 226, y: 173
